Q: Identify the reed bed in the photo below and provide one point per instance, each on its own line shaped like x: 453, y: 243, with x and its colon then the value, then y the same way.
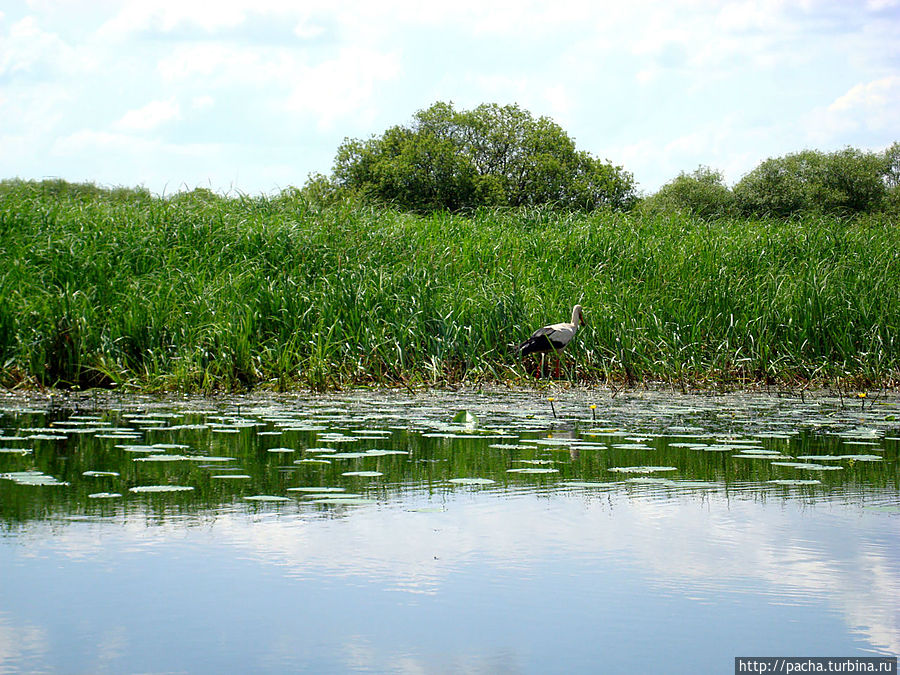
x: 199, y: 292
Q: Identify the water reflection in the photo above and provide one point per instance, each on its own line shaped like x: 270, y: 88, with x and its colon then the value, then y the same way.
x: 664, y: 507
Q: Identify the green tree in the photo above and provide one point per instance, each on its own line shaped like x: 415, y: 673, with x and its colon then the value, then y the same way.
x: 702, y: 193
x: 490, y: 156
x: 844, y: 182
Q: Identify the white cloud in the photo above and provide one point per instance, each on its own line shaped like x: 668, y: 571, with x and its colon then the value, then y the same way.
x: 27, y: 48
x: 342, y: 87
x: 150, y: 116
x: 663, y: 81
x: 868, y: 107
x: 202, y: 102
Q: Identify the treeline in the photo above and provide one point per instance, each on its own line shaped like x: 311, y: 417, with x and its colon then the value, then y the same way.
x: 841, y: 183
x: 502, y: 156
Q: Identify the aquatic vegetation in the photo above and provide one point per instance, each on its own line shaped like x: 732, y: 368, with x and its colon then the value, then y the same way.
x: 200, y: 294
x: 366, y: 448
x: 161, y: 488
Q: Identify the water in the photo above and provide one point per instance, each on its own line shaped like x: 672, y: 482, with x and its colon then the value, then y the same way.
x: 369, y: 532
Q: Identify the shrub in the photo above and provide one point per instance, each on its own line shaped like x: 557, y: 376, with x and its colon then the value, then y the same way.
x: 490, y: 156
x: 702, y: 193
x: 842, y: 183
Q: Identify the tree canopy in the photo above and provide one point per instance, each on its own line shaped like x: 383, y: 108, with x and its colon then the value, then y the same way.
x: 490, y: 156
x: 844, y: 182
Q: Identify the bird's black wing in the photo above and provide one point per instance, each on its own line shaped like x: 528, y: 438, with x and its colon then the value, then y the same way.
x: 539, y: 343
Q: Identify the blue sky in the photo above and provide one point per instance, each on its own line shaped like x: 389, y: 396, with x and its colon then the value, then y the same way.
x: 254, y: 96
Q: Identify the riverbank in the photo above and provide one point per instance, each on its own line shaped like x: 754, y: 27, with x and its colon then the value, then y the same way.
x: 202, y: 293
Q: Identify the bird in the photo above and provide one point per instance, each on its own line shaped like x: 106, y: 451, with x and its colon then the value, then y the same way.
x: 553, y: 338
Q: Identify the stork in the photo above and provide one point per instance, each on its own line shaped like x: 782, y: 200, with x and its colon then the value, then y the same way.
x: 553, y: 338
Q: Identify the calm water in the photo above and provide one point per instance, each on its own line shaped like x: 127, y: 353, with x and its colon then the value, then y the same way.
x: 371, y: 532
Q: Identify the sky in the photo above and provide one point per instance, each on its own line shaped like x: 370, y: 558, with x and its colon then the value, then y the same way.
x: 253, y: 97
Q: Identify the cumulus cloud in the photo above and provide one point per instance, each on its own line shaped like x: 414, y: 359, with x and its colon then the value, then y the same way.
x: 150, y: 116
x: 866, y: 107
x: 659, y: 84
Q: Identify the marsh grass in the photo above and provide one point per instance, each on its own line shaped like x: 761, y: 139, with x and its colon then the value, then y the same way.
x: 200, y: 292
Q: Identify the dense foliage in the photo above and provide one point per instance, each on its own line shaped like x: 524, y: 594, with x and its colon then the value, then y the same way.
x: 702, y: 193
x: 200, y: 291
x: 843, y: 183
x: 490, y: 156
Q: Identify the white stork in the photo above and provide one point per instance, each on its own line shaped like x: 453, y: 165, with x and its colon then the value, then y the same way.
x: 553, y: 338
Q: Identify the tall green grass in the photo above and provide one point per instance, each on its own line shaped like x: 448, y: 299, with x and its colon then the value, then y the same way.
x: 199, y: 291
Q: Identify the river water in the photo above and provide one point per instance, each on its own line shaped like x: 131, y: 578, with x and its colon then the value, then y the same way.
x: 446, y: 531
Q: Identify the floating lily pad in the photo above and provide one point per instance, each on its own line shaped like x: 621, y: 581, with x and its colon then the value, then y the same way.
x: 329, y: 495
x: 161, y: 488
x: 100, y: 473
x: 32, y: 478
x: 208, y: 458
x: 532, y: 471
x: 363, y: 474
x: 345, y: 501
x: 472, y: 481
x: 648, y: 480
x: 809, y: 466
x: 162, y: 458
x: 104, y: 495
x: 642, y: 469
x: 312, y: 461
x: 465, y: 418
x: 232, y: 476
x: 840, y: 458
x: 312, y: 488
x: 139, y: 448
x: 748, y: 455
x: 15, y: 451
x: 266, y: 498
x: 286, y: 451
x: 788, y: 481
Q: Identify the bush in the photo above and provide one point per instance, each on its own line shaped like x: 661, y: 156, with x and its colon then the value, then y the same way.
x: 702, y: 193
x: 489, y: 156
x: 842, y: 183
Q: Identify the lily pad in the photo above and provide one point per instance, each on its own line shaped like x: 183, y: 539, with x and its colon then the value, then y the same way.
x: 104, y: 495
x: 15, y: 451
x: 266, y: 498
x: 472, y: 481
x: 788, y: 481
x: 363, y: 474
x: 642, y: 469
x: 32, y: 478
x: 465, y: 418
x: 313, y: 488
x: 345, y: 501
x: 100, y: 473
x: 161, y: 488
x: 532, y: 470
x: 809, y: 466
